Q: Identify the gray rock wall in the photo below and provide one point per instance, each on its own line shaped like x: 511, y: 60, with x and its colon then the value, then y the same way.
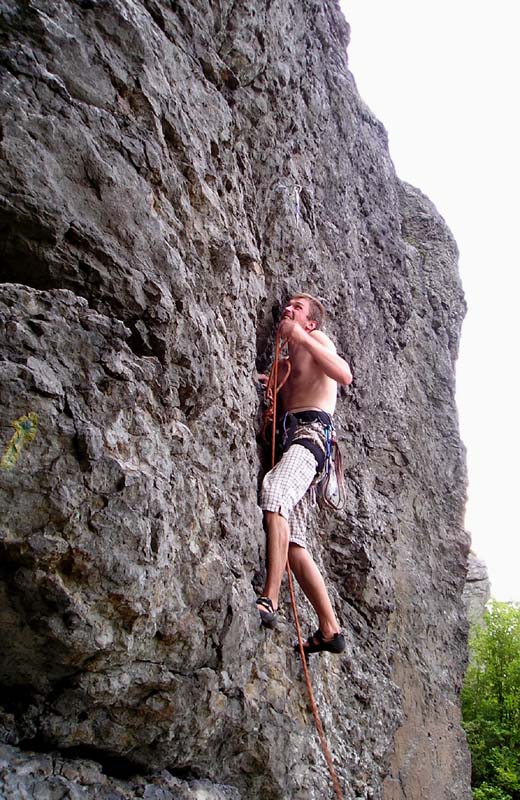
x: 170, y: 172
x: 477, y: 590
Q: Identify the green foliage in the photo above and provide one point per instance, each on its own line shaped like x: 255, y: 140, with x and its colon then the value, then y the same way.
x: 487, y: 792
x: 491, y: 704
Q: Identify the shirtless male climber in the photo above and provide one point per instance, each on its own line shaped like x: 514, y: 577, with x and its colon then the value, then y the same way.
x: 307, y: 402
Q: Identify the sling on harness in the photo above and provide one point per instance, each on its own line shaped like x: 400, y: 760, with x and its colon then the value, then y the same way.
x: 331, y: 488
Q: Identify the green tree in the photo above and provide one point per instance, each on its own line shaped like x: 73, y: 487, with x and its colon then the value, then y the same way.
x: 491, y: 704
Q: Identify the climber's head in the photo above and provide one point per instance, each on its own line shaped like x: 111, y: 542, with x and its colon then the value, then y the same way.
x: 305, y: 309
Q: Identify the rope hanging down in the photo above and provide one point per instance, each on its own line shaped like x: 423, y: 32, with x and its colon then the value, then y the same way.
x: 272, y: 390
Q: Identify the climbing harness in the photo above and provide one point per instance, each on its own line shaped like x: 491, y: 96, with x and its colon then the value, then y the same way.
x: 274, y: 389
x: 290, y: 424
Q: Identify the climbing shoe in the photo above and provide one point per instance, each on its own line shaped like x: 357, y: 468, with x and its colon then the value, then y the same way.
x: 268, y: 615
x: 318, y: 644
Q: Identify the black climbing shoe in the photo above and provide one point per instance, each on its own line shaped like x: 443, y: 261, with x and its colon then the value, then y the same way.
x: 317, y: 644
x: 269, y: 617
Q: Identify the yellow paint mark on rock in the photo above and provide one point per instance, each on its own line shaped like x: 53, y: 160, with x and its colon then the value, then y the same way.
x: 25, y: 431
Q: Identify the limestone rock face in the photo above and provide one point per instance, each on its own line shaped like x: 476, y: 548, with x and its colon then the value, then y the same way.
x: 171, y: 171
x: 477, y: 590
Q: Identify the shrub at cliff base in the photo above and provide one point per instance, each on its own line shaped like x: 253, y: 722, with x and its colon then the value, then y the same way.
x: 491, y: 704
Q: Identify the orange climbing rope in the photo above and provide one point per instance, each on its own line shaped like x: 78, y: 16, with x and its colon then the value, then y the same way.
x: 270, y: 416
x: 271, y: 390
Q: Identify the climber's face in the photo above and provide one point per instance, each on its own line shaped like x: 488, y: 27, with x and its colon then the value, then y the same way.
x: 298, y: 309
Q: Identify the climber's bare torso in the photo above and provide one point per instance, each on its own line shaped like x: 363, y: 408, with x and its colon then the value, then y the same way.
x: 316, y: 368
x: 308, y: 386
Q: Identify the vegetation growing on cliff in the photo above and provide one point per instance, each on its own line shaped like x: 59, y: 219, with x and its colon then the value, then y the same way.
x: 491, y: 704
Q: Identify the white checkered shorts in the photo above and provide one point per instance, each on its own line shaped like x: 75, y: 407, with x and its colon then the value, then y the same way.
x: 285, y: 490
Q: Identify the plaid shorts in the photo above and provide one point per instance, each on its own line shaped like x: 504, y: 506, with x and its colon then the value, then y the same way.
x: 287, y: 488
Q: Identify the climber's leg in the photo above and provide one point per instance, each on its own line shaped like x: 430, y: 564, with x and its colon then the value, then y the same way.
x: 310, y: 579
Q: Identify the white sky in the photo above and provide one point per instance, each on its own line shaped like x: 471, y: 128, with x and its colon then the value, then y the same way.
x: 444, y: 79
